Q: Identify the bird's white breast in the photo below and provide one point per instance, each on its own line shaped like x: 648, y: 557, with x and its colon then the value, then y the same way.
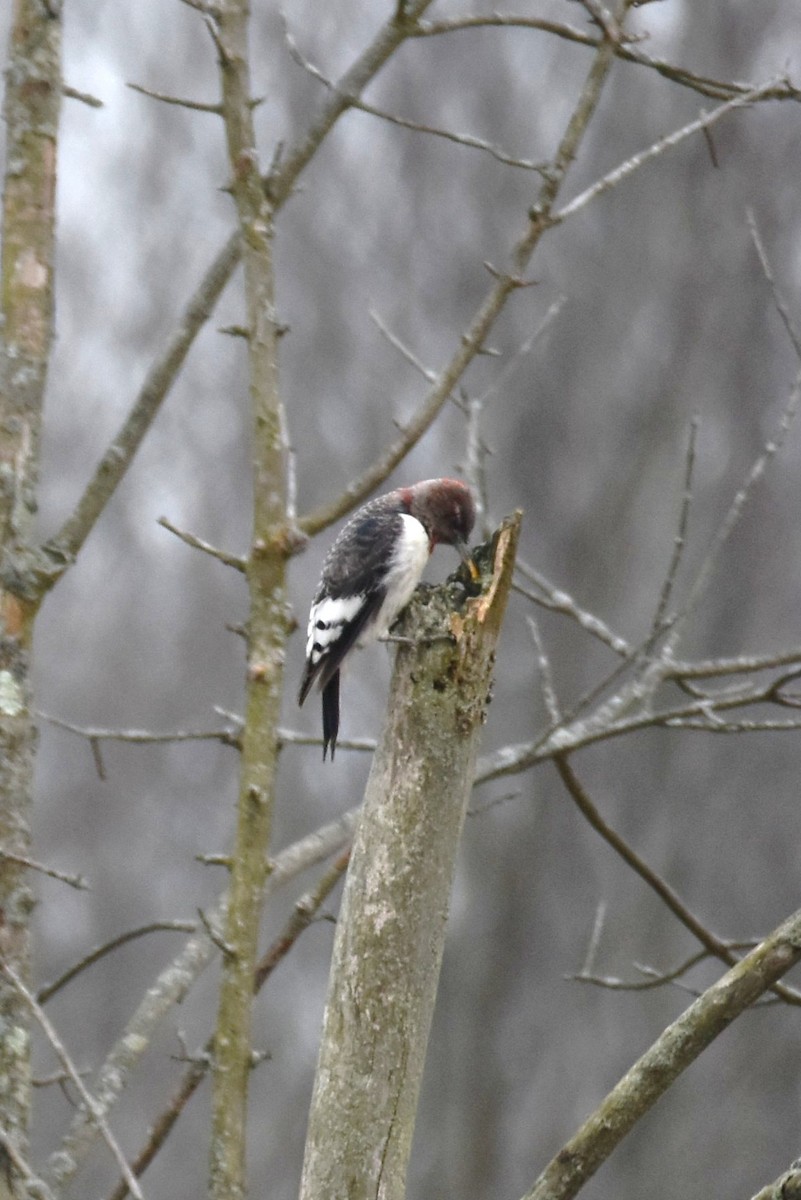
x: 403, y: 575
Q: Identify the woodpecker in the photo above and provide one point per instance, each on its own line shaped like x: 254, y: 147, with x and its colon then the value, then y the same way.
x: 370, y: 573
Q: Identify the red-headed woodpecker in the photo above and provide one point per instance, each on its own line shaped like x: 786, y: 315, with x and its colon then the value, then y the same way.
x: 370, y: 573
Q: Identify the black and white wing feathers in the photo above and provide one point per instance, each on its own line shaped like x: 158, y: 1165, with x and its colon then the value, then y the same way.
x: 352, y: 591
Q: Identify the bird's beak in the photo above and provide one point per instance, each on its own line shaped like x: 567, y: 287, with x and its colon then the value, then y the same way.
x: 467, y: 559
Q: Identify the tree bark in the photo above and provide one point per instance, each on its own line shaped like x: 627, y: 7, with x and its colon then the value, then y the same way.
x: 268, y: 624
x: 32, y: 106
x: 391, y: 929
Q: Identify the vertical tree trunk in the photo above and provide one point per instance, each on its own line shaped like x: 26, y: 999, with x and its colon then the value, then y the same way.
x: 32, y: 105
x: 268, y: 623
x: 391, y: 928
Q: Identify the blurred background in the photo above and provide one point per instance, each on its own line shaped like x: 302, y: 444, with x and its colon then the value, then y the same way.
x: 665, y: 314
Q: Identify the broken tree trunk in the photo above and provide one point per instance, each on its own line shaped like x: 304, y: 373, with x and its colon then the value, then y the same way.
x: 391, y: 929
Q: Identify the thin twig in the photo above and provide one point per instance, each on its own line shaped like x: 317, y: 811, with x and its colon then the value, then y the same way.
x: 716, y: 89
x: 699, y: 724
x: 142, y: 737
x: 476, y: 452
x: 621, y: 172
x: 94, y: 1111
x: 49, y: 990
x: 656, y: 979
x: 549, y: 696
x: 84, y: 97
x: 400, y: 346
x: 742, y: 664
x: 291, y: 737
x: 595, y: 939
x: 75, y: 881
x: 730, y: 521
x: 230, y: 560
x: 480, y: 810
x: 780, y: 303
x: 652, y: 664
x: 715, y: 945
x: 680, y: 540
x: 557, y: 600
x: 516, y: 360
x: 194, y: 105
x: 461, y: 139
x: 703, y: 715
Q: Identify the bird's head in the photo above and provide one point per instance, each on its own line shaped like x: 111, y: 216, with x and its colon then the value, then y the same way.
x: 447, y: 511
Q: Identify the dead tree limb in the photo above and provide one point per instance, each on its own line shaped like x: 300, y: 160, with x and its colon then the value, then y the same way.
x: 391, y: 929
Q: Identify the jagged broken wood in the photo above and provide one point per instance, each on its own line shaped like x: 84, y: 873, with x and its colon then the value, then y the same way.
x: 391, y: 929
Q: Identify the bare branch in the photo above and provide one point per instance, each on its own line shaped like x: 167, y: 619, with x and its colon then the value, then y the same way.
x: 778, y: 299
x: 389, y: 37
x: 395, y: 341
x: 711, y: 725
x: 552, y: 705
x: 515, y: 361
x: 190, y: 539
x: 94, y: 1111
x: 680, y: 539
x: 710, y: 941
x: 473, y: 339
x: 743, y: 664
x: 652, y: 668
x: 142, y: 737
x: 557, y: 600
x: 228, y: 737
x: 49, y: 990
x: 290, y: 737
x: 716, y: 89
x: 461, y: 139
x: 172, y: 985
x: 75, y: 881
x: 194, y: 105
x: 112, y: 467
x: 655, y: 978
x: 595, y: 938
x: 741, y: 498
x: 613, y: 178
x: 72, y: 93
x: 704, y: 714
x: 62, y: 549
x: 304, y: 912
x: 655, y: 1071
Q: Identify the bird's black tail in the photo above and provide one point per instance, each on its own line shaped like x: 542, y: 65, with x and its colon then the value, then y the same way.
x: 331, y: 714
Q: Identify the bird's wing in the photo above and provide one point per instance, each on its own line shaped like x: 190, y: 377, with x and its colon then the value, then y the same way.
x: 323, y: 666
x: 351, y: 592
